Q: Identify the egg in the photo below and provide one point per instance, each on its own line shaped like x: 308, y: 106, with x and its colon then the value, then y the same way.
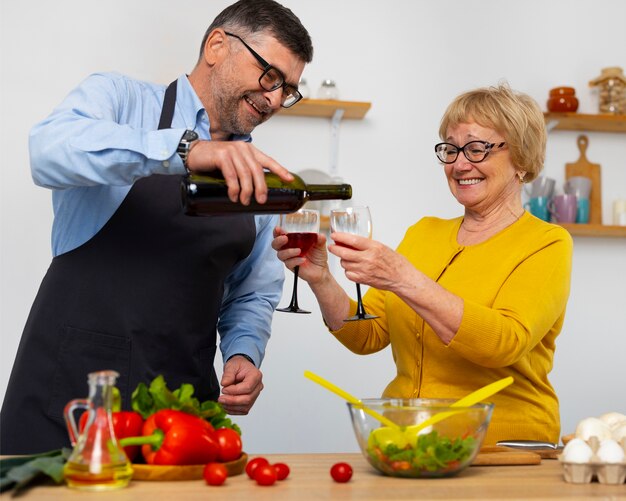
x: 593, y: 427
x: 612, y: 419
x: 619, y: 432
x: 610, y: 452
x: 577, y: 451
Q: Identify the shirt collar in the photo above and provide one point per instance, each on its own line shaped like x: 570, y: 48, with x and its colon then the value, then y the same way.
x: 193, y: 113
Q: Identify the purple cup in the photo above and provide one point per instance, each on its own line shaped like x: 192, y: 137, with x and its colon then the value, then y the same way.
x: 563, y: 208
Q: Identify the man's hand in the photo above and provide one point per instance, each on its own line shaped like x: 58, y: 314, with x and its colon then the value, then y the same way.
x: 241, y: 164
x: 241, y: 383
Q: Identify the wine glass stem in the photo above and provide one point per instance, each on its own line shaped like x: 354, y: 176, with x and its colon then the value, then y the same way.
x: 360, y: 310
x: 294, y: 294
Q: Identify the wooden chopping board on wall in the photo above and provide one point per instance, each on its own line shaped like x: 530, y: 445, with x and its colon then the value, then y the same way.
x: 583, y: 167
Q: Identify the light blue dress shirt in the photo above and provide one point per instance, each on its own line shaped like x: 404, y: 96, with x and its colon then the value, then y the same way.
x: 99, y: 141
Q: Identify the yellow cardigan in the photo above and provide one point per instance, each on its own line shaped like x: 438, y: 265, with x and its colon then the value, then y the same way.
x: 515, y: 287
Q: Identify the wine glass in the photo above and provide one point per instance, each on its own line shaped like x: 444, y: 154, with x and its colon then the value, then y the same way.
x: 301, y: 228
x: 358, y: 221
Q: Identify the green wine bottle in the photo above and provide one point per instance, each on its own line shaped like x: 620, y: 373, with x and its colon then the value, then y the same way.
x: 207, y: 194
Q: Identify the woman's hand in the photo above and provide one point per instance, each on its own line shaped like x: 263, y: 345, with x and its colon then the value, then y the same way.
x: 313, y: 266
x: 369, y: 262
x: 242, y: 165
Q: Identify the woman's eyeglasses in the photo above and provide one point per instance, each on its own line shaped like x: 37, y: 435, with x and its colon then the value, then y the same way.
x: 474, y: 151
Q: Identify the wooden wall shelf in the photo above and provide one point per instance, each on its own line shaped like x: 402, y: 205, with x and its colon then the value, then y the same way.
x: 595, y: 230
x: 335, y: 110
x: 589, y: 123
x: 327, y: 108
x: 582, y: 122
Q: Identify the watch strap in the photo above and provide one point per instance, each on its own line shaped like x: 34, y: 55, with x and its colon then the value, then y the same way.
x: 184, y: 146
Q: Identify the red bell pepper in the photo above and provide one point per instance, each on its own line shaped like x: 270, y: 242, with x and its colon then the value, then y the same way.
x: 125, y: 424
x: 172, y: 437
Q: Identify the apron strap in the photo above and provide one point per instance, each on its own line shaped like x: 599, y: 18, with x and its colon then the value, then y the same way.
x: 169, y: 103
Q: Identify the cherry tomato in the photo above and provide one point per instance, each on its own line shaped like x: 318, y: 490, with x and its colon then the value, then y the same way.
x: 253, y: 464
x: 341, y: 472
x: 230, y: 444
x: 215, y: 473
x: 282, y: 470
x: 265, y: 474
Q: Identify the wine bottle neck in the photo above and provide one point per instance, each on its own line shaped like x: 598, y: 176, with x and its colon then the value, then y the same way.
x: 328, y: 191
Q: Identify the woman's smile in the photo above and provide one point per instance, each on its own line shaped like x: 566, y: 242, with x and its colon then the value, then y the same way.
x: 469, y: 181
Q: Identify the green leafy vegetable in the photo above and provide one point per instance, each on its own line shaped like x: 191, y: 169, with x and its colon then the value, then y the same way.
x: 146, y: 400
x: 432, y: 455
x: 21, y: 472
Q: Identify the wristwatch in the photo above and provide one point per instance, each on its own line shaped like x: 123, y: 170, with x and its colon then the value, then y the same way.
x: 189, y: 137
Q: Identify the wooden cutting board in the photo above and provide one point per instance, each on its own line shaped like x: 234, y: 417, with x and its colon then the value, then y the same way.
x: 583, y: 167
x: 189, y: 472
x: 502, y: 456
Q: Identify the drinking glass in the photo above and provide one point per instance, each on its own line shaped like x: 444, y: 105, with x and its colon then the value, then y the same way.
x: 358, y: 221
x: 301, y: 228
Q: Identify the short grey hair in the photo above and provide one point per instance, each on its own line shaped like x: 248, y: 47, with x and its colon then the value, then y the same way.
x: 249, y: 17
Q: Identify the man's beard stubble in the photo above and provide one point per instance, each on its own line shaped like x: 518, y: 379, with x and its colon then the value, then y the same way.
x: 228, y: 108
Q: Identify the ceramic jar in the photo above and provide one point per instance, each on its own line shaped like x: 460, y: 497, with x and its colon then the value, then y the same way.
x: 611, y: 86
x: 328, y: 90
x: 562, y: 99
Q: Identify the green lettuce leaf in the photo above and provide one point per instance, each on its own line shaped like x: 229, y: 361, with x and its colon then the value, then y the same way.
x: 148, y: 400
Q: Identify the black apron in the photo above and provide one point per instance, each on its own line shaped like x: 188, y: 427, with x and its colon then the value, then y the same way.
x: 142, y: 297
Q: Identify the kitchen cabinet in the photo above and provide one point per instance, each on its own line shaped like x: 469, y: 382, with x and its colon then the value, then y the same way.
x: 589, y: 123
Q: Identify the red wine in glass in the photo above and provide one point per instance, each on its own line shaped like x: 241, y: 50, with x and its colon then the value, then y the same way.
x: 301, y: 240
x: 301, y: 228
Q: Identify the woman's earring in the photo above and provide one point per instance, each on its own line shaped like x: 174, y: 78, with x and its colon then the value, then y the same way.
x: 521, y: 176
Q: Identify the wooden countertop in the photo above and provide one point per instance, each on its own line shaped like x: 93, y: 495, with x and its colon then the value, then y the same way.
x: 310, y: 479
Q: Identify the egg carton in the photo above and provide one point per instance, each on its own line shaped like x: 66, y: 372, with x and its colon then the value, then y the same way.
x: 605, y: 473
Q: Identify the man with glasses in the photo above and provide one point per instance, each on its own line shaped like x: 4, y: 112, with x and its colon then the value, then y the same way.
x: 135, y: 285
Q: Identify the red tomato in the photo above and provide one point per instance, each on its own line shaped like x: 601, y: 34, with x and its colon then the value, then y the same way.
x: 215, y: 473
x: 253, y: 464
x: 282, y: 470
x: 265, y: 474
x: 230, y: 444
x: 341, y: 472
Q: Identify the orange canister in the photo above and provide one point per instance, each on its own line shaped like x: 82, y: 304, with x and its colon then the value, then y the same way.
x: 562, y: 99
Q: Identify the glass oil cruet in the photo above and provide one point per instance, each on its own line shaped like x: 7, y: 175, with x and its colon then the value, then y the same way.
x: 97, y: 462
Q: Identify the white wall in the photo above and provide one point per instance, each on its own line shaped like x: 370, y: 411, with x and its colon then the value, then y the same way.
x: 409, y: 58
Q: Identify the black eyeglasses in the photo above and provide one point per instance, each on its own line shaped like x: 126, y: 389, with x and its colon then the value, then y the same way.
x: 474, y: 151
x: 272, y: 79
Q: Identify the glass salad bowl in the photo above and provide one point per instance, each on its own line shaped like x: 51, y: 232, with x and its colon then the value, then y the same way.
x: 442, y: 449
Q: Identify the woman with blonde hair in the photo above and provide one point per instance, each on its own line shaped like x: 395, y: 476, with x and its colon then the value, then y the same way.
x: 469, y: 300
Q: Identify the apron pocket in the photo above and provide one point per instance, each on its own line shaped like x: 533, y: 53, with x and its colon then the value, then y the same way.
x: 208, y: 387
x: 81, y: 352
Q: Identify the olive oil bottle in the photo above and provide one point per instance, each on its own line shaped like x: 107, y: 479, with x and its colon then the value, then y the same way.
x: 97, y: 462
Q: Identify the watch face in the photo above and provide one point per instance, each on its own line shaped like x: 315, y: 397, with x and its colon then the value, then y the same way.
x: 189, y: 136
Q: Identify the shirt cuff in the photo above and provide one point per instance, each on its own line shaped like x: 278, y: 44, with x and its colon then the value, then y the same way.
x: 248, y: 358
